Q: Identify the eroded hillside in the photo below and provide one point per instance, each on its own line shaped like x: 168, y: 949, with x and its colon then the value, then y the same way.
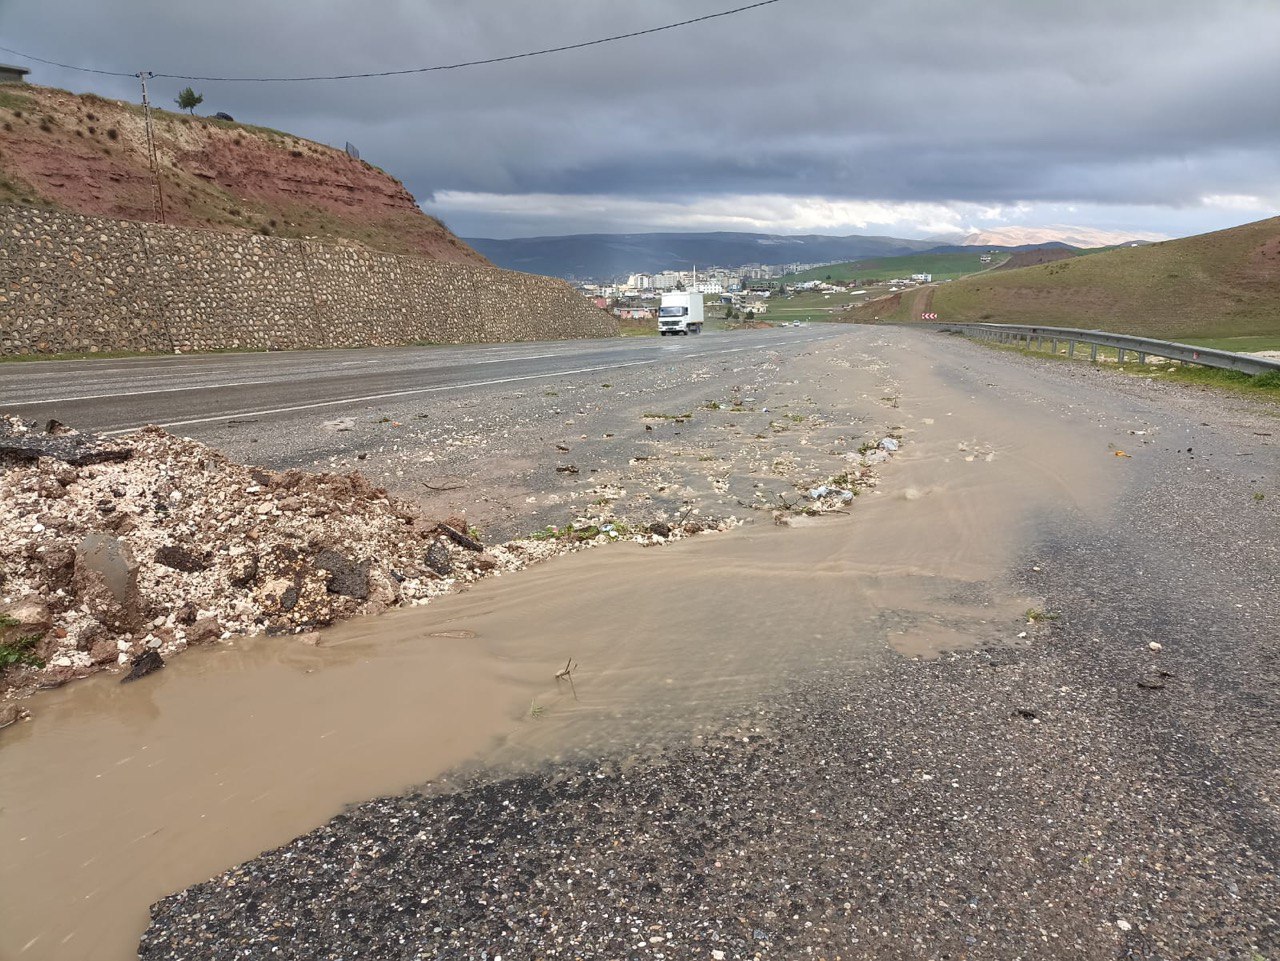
x: 88, y: 155
x: 1220, y: 284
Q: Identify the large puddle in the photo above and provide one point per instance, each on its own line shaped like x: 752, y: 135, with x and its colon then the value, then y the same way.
x: 116, y: 796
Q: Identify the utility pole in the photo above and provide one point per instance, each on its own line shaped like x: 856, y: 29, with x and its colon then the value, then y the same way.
x: 157, y: 191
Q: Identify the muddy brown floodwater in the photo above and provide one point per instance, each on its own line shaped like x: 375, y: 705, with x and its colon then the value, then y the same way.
x: 116, y: 796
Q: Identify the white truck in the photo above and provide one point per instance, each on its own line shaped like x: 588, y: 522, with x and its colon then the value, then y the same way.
x: 680, y: 313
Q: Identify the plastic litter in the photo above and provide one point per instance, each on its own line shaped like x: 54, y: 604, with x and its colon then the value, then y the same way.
x: 817, y: 493
x: 889, y: 444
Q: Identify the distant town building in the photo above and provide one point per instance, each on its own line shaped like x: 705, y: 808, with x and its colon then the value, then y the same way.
x: 12, y: 74
x: 922, y: 278
x: 634, y: 313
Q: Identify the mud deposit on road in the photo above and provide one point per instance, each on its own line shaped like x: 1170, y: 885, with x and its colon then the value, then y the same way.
x: 768, y: 633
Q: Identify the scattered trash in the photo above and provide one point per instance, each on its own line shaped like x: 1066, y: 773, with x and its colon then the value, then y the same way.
x: 1121, y: 453
x: 889, y: 443
x: 817, y: 493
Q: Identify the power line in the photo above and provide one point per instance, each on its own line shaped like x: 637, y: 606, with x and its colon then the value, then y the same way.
x: 68, y: 66
x: 413, y: 70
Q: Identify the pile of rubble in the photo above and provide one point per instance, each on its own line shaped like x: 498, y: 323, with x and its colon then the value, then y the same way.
x: 153, y: 543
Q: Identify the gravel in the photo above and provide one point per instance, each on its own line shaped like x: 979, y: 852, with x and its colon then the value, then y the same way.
x: 156, y: 543
x: 1038, y: 802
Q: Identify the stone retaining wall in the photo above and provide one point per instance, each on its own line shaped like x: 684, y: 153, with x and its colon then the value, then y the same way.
x: 84, y: 284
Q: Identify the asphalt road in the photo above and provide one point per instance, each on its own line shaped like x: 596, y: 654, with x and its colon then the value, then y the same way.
x: 1103, y: 785
x: 185, y: 392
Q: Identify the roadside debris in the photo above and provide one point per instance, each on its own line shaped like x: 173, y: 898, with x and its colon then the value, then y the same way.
x: 147, y: 663
x: 121, y: 554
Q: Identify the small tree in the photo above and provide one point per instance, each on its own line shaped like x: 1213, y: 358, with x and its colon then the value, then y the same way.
x: 188, y: 100
x: 679, y: 285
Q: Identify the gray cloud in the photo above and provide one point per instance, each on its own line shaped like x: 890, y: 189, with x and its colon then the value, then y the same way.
x: 1147, y: 105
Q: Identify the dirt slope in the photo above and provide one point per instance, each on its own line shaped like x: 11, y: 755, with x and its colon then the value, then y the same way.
x: 1220, y: 284
x: 1041, y: 255
x: 88, y: 155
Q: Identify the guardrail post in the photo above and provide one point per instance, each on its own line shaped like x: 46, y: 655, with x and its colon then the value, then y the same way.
x: 1071, y: 348
x: 1093, y: 353
x: 1055, y: 346
x: 1119, y: 355
x: 1142, y: 358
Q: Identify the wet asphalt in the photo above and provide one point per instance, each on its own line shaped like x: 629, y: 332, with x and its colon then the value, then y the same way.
x: 1086, y: 796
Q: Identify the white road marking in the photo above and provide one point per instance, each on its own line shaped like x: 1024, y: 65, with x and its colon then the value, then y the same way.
x: 247, y: 383
x: 369, y: 397
x: 158, y: 390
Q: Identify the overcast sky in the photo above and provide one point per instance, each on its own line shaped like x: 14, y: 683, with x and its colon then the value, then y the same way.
x: 903, y: 117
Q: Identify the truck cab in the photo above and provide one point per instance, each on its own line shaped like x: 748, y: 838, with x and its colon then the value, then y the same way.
x: 680, y: 313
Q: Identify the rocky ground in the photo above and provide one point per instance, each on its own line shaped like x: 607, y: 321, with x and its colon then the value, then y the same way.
x: 150, y: 543
x: 1109, y: 790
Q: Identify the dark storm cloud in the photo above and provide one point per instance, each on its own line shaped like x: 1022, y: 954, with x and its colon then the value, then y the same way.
x: 1152, y: 102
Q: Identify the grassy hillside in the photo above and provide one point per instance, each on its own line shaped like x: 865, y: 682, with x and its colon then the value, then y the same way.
x: 1216, y: 285
x: 941, y: 266
x: 88, y: 155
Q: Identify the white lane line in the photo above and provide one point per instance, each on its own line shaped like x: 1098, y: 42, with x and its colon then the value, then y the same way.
x: 139, y: 393
x: 241, y: 383
x: 368, y: 397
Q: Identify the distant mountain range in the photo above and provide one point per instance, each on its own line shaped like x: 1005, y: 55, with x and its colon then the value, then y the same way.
x: 614, y: 256
x: 1060, y: 234
x: 603, y: 256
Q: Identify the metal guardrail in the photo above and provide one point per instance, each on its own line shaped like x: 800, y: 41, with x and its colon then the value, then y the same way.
x: 1123, y: 344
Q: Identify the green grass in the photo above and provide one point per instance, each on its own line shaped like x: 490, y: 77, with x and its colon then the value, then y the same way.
x: 1203, y: 288
x: 807, y: 305
x: 21, y: 651
x: 11, y: 100
x: 1255, y: 385
x: 942, y: 266
x: 1237, y: 344
x: 1259, y: 385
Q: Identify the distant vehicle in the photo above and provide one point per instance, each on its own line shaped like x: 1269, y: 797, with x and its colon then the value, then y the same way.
x: 796, y: 323
x: 223, y: 116
x: 680, y: 313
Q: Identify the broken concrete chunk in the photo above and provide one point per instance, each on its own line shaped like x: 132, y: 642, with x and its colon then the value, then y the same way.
x: 148, y: 662
x: 180, y: 559
x: 346, y: 577
x: 21, y: 442
x: 439, y: 559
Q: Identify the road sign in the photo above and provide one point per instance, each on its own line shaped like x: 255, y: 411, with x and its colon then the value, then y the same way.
x: 928, y: 316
